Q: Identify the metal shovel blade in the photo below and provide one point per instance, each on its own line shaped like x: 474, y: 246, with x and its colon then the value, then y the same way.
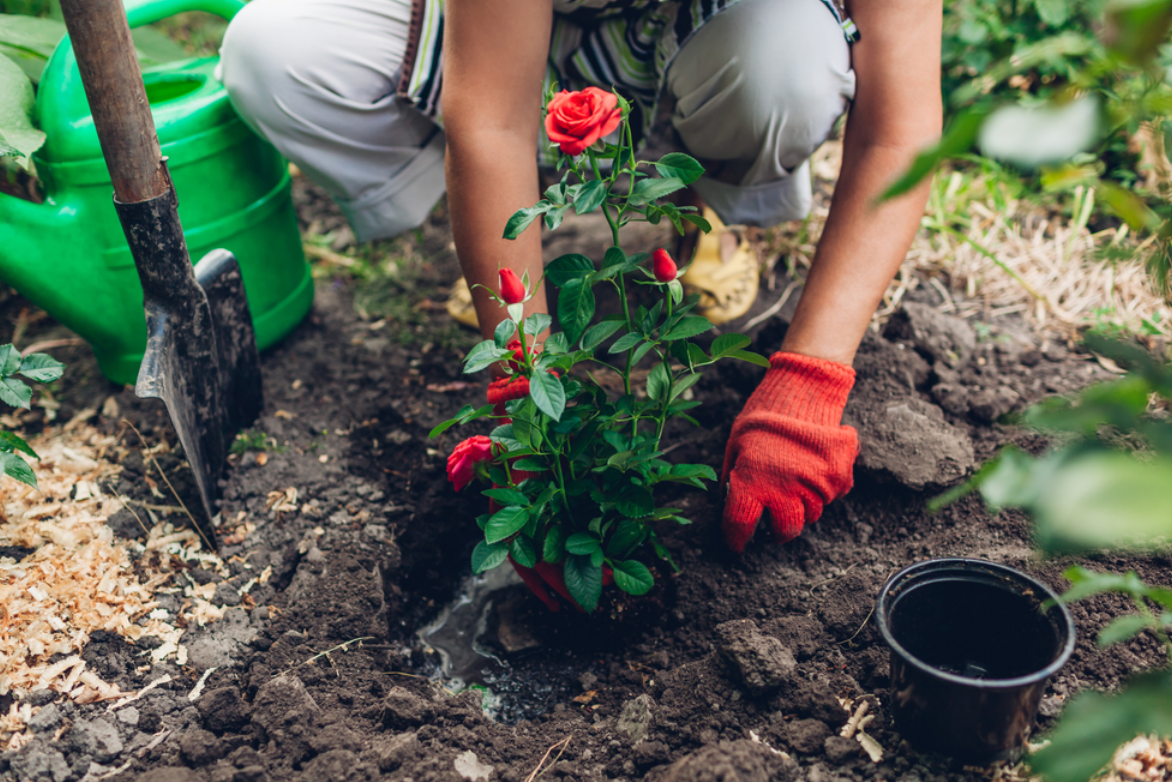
x: 201, y: 357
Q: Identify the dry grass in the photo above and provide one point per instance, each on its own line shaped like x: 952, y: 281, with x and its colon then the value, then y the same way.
x: 990, y: 251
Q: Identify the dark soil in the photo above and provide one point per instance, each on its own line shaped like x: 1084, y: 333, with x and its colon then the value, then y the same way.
x: 380, y: 543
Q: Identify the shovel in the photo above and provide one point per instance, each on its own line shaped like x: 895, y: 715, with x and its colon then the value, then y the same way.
x: 201, y: 356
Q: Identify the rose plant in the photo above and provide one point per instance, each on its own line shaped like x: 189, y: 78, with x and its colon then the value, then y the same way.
x: 572, y: 467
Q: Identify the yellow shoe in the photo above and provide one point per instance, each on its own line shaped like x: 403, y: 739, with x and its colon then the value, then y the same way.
x: 460, y: 305
x: 724, y: 272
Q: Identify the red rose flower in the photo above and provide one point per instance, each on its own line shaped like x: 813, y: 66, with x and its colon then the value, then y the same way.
x: 512, y: 289
x: 518, y: 354
x: 575, y: 120
x: 663, y: 266
x: 465, y: 456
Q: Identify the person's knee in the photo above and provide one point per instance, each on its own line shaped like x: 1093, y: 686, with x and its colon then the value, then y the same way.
x: 764, y: 73
x: 254, y: 63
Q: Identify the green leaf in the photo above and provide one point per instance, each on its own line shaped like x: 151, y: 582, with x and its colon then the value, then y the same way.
x: 9, y: 360
x: 523, y: 552
x: 483, y: 355
x: 648, y: 190
x: 640, y: 352
x: 752, y: 358
x: 575, y: 307
x: 507, y: 496
x: 505, y: 331
x: 1052, y: 12
x: 582, y: 543
x: 554, y: 548
x: 546, y: 390
x: 486, y: 556
x: 16, y: 108
x: 566, y: 268
x: 688, y: 327
x: 1102, y: 499
x: 554, y: 217
x: 658, y: 383
x: 523, y: 217
x: 683, y: 167
x: 699, y: 222
x: 727, y: 343
x: 1122, y: 628
x: 15, y: 392
x: 625, y: 342
x: 683, y: 384
x: 14, y: 466
x: 530, y: 465
x: 584, y: 582
x: 694, y: 471
x: 614, y: 257
x: 599, y: 333
x: 633, y: 577
x: 590, y: 196
x: 441, y: 428
x: 41, y: 368
x: 627, y: 535
x: 537, y: 323
x: 14, y: 442
x: 1088, y: 582
x: 557, y: 344
x: 957, y: 140
x: 1094, y: 725
x: 635, y: 502
x: 505, y: 522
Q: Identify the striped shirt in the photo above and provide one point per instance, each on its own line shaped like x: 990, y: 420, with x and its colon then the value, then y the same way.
x: 626, y: 45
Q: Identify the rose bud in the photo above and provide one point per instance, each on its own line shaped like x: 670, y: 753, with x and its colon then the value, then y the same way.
x: 512, y: 290
x: 663, y: 266
x: 464, y: 458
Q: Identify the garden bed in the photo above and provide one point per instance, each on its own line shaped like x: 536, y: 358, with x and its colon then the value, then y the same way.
x: 341, y: 498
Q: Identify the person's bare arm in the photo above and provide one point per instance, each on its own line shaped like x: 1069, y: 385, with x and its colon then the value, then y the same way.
x: 494, y: 60
x: 896, y: 112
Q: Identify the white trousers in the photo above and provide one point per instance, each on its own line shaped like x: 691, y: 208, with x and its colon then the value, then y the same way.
x: 758, y: 88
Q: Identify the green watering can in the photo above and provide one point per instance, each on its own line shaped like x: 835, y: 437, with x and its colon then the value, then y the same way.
x: 69, y: 256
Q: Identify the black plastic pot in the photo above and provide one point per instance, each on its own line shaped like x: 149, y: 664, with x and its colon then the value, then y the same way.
x: 972, y: 646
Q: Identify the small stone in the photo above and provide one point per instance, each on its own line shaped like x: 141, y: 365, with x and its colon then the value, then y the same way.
x: 199, y: 747
x: 404, y: 709
x: 107, y: 743
x: 839, y: 749
x: 470, y: 767
x: 392, y: 753
x: 48, y: 718
x: 761, y: 661
x: 636, y: 717
x: 127, y: 715
x: 36, y: 763
x: 808, y: 736
x: 222, y: 710
x: 943, y: 339
x: 375, y: 532
x: 992, y: 403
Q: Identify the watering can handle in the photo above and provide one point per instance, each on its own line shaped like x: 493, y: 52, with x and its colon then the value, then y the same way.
x: 144, y: 12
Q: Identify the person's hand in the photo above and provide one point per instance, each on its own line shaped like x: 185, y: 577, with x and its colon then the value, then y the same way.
x: 788, y: 454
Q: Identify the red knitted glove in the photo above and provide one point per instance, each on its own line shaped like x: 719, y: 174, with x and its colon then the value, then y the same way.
x: 788, y: 453
x: 506, y: 389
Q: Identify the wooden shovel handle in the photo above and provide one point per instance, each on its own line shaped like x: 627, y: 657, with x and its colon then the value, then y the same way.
x: 113, y: 85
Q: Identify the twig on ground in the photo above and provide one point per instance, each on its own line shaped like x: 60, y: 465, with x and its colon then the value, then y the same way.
x: 339, y: 648
x: 775, y: 308
x: 167, y: 480
x: 537, y: 772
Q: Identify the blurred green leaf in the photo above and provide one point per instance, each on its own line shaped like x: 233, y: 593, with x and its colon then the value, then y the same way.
x: 1094, y: 725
